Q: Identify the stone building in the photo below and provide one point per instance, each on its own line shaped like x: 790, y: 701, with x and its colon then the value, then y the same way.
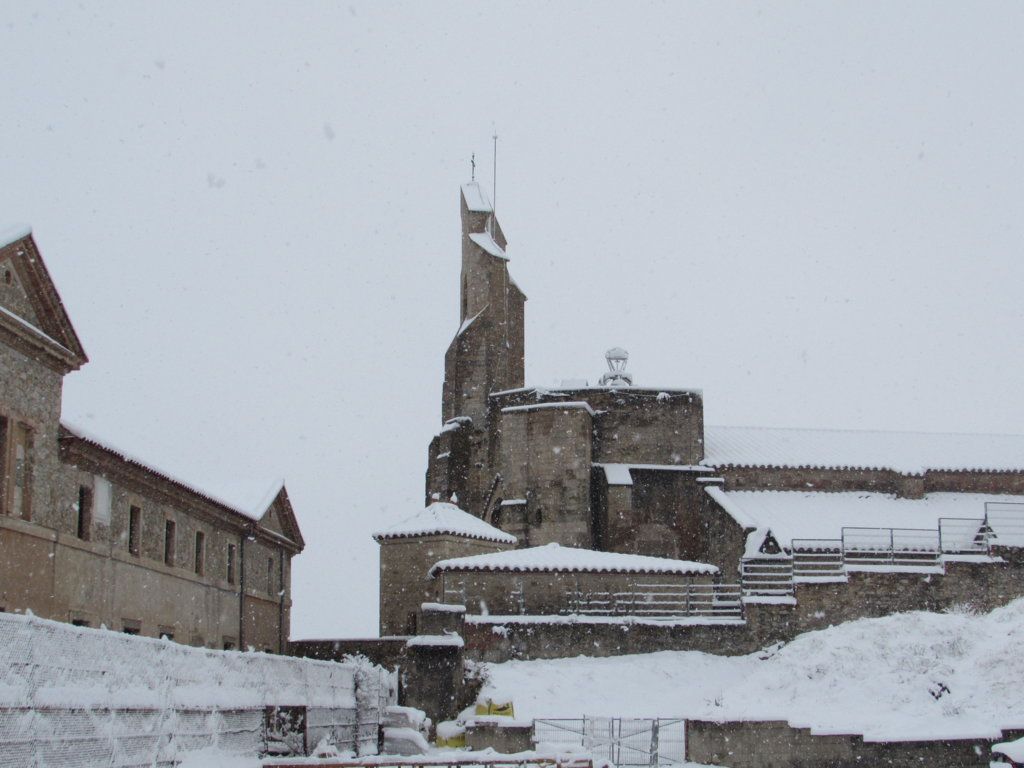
x: 619, y: 467
x: 91, y: 535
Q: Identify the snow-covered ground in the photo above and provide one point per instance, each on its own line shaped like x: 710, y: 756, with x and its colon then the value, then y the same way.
x: 909, y: 675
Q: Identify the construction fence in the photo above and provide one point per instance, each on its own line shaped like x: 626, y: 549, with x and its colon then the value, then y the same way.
x: 73, y: 697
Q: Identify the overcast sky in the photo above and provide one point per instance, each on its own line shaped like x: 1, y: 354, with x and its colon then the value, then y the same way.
x: 814, y: 212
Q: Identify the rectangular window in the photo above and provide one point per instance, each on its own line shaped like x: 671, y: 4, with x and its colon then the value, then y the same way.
x: 102, y: 500
x: 169, y: 542
x: 79, y: 622
x: 200, y: 553
x: 84, y: 513
x: 270, y: 575
x: 131, y: 626
x: 231, y: 563
x: 21, y: 472
x: 134, y: 530
x: 166, y: 633
x: 229, y: 644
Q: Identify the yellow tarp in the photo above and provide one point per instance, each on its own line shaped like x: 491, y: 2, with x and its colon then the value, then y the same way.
x: 500, y: 708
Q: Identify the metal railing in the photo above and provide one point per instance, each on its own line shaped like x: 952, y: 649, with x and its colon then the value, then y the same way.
x: 963, y: 536
x: 420, y: 761
x: 660, y: 601
x: 1006, y: 519
x: 767, y: 578
x: 621, y: 741
x: 818, y: 559
x: 891, y: 546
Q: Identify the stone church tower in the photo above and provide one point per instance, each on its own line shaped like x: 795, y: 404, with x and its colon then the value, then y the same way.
x: 556, y: 465
x: 486, y: 355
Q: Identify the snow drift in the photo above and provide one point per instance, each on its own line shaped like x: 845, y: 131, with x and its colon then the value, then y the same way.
x: 913, y: 675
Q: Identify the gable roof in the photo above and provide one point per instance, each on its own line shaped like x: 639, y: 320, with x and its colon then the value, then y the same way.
x: 553, y: 558
x: 54, y: 326
x: 444, y: 519
x: 905, y: 452
x: 247, y: 507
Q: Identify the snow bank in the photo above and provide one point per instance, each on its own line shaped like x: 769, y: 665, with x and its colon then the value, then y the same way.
x: 919, y: 675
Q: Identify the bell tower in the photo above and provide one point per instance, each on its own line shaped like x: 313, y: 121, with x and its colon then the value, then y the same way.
x: 488, y: 351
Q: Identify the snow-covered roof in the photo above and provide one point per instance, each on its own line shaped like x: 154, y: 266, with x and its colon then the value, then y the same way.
x: 562, y: 406
x: 618, y: 474
x: 819, y: 515
x: 555, y: 558
x: 249, y: 499
x: 1012, y: 749
x: 476, y: 200
x: 906, y: 452
x: 442, y: 518
x: 485, y: 241
x: 14, y: 233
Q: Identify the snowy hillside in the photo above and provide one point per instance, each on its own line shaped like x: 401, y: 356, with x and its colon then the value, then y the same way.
x: 898, y: 677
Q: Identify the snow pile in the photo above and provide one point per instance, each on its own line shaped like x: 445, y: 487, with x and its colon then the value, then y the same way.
x: 442, y: 518
x: 906, y: 452
x: 552, y: 558
x: 913, y: 675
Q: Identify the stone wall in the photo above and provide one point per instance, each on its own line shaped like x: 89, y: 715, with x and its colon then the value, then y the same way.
x: 404, y: 583
x: 775, y: 744
x: 30, y: 394
x: 545, y: 458
x: 875, y: 480
x: 542, y: 594
x: 499, y: 640
x: 388, y: 652
x: 972, y: 585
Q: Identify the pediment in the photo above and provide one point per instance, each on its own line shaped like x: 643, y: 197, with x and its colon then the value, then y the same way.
x: 31, y: 306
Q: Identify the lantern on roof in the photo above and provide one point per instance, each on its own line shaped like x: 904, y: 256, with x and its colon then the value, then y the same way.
x: 617, y: 376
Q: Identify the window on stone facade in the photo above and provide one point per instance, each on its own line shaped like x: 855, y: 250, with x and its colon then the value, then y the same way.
x: 229, y: 644
x: 169, y: 528
x: 231, y: 563
x: 131, y: 626
x: 80, y: 623
x: 200, y: 553
x: 84, y: 512
x: 270, y: 575
x: 134, y: 530
x: 20, y: 471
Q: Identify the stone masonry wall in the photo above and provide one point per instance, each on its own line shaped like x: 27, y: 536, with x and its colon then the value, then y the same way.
x: 545, y: 458
x: 775, y: 744
x: 876, y: 480
x: 543, y: 594
x: 404, y: 584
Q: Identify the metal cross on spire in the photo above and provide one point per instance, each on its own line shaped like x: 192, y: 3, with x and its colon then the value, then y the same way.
x: 472, y: 167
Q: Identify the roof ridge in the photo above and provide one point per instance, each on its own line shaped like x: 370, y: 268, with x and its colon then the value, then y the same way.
x: 850, y: 430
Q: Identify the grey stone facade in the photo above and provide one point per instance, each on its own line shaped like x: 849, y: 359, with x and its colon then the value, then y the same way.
x: 623, y: 468
x: 97, y: 538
